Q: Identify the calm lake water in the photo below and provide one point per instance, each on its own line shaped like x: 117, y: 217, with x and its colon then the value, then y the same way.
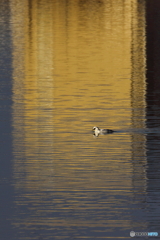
x: 66, y: 66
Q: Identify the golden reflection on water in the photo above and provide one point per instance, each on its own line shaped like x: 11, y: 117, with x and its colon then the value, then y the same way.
x: 138, y: 103
x: 74, y: 67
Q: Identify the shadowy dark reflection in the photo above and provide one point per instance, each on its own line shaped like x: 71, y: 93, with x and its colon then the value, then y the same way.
x: 153, y: 56
x: 153, y: 109
x: 6, y: 189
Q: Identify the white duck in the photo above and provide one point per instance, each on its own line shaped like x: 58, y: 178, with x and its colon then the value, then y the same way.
x: 98, y: 131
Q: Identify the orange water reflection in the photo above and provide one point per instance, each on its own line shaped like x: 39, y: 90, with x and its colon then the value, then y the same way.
x: 73, y: 68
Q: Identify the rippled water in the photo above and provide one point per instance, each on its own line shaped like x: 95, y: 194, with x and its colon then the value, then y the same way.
x: 67, y: 66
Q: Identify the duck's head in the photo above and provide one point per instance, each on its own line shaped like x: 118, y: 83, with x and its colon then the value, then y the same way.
x: 94, y: 128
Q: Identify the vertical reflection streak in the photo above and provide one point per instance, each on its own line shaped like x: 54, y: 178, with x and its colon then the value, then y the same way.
x: 33, y: 91
x: 138, y: 96
x: 153, y: 112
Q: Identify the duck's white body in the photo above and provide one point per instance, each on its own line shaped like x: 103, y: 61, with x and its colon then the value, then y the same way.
x: 98, y: 131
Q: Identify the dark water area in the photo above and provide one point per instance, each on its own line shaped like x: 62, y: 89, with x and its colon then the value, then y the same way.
x: 153, y: 109
x: 6, y: 156
x: 66, y: 66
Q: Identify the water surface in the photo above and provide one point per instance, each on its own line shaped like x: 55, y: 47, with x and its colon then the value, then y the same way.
x: 72, y: 65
